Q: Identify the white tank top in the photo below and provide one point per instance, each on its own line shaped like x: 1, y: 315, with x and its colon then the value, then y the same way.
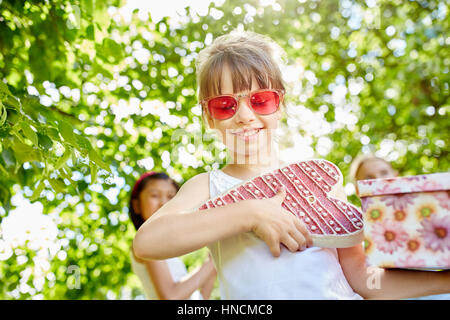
x: 247, y: 270
x: 177, y: 270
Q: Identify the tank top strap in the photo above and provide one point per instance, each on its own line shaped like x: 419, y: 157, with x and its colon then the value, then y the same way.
x: 220, y: 182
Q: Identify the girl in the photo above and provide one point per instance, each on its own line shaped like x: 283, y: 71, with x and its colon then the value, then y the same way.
x: 371, y: 167
x: 241, y: 90
x: 166, y: 279
x: 366, y: 167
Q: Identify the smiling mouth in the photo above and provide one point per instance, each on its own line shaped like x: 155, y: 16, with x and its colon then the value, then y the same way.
x: 247, y: 133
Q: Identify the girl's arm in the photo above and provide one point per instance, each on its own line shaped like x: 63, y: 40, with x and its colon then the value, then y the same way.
x: 378, y: 283
x: 173, y: 230
x: 167, y: 289
x: 208, y: 286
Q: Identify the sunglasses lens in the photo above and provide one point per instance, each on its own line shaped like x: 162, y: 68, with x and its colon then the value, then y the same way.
x: 265, y: 102
x: 222, y: 107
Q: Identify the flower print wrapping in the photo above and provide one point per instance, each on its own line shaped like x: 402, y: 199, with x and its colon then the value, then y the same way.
x: 407, y: 221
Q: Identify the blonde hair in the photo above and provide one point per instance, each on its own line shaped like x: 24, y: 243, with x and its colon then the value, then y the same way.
x: 359, y: 161
x: 248, y: 55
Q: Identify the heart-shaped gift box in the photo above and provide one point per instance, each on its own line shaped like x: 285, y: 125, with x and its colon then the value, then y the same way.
x: 310, y: 186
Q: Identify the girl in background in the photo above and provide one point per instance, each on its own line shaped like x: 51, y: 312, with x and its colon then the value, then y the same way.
x: 366, y: 167
x: 165, y: 279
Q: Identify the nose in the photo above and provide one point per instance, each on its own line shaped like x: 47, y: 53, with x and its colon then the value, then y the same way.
x: 164, y: 201
x: 245, y: 113
x: 160, y: 203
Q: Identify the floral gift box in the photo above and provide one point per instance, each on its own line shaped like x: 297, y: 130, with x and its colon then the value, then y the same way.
x: 407, y: 221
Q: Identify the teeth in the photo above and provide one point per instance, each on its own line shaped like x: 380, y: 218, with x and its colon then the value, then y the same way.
x: 247, y: 133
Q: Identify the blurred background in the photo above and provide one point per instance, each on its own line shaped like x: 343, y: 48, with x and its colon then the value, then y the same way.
x: 93, y: 93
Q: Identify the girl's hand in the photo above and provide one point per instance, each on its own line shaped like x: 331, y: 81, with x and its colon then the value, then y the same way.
x: 275, y: 225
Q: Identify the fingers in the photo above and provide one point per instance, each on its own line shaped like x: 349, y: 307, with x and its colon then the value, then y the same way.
x: 271, y: 238
x: 305, y: 233
x: 296, y: 236
x: 294, y: 243
x: 275, y: 249
x: 293, y: 239
x: 299, y: 239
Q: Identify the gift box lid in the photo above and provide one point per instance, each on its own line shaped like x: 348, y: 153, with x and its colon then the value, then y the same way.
x: 420, y: 183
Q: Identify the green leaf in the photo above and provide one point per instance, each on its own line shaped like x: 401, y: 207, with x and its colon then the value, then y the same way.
x: 3, y: 171
x: 5, y: 195
x: 74, y: 159
x: 37, y: 191
x: 3, y: 113
x: 44, y: 141
x: 93, y: 173
x: 98, y: 68
x: 62, y: 161
x: 87, y: 6
x: 12, y: 102
x: 57, y: 185
x: 4, y: 89
x: 82, y: 185
x: 8, y: 157
x: 90, y: 32
x: 53, y: 134
x: 93, y: 156
x: 66, y: 174
x: 112, y: 49
x: 66, y: 131
x: 24, y: 152
x: 67, y: 169
x: 83, y: 142
x: 29, y: 132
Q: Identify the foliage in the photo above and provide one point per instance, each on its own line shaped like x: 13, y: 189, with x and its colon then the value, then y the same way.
x: 88, y: 101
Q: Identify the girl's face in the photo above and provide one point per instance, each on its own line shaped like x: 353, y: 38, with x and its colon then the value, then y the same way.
x: 154, y: 195
x: 244, y: 118
x: 375, y: 169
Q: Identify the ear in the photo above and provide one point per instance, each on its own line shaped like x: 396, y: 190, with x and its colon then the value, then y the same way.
x: 136, y: 206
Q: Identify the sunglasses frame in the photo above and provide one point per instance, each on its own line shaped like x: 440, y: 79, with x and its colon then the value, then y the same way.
x: 248, y: 95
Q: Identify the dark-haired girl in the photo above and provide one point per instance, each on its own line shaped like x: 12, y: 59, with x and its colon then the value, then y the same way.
x: 165, y: 279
